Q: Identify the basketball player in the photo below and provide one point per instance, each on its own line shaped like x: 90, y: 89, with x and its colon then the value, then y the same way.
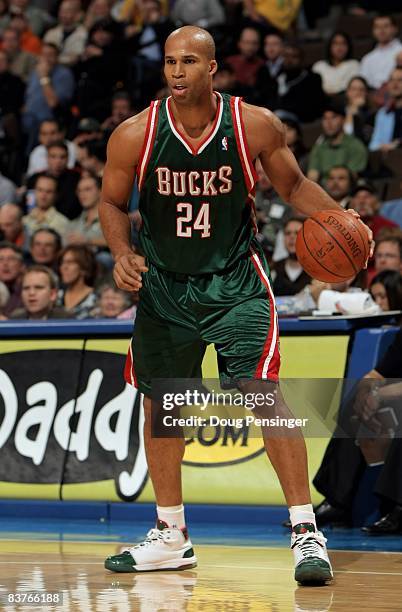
x: 202, y: 277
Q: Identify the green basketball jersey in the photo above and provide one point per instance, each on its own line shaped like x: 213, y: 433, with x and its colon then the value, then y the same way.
x: 197, y: 205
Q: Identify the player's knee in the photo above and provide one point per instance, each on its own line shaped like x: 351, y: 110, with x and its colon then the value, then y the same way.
x: 260, y: 397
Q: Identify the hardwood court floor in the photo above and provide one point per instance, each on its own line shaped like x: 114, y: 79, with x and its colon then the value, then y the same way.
x: 228, y: 578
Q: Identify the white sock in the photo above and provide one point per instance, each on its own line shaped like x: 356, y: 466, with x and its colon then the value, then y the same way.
x: 302, y: 514
x: 173, y: 516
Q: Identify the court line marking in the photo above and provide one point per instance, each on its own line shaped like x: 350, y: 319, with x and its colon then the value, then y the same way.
x: 207, y: 566
x: 264, y: 548
x: 247, y: 547
x: 285, y: 569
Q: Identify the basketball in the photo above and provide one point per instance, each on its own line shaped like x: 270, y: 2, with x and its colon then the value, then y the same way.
x: 332, y: 246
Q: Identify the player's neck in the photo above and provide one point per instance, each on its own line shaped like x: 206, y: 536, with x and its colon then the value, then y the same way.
x: 194, y: 118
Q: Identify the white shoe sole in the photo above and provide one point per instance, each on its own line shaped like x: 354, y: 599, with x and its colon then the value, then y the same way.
x: 171, y: 564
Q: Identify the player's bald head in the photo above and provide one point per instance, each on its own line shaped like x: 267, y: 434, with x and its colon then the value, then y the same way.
x: 200, y: 40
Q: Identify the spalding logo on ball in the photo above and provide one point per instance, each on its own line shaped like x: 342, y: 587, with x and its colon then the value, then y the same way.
x: 332, y: 246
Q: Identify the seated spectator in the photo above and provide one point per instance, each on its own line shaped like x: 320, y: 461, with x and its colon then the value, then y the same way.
x: 386, y: 290
x: 21, y: 63
x: 335, y: 148
x: 294, y: 137
x: 338, y: 67
x: 39, y: 294
x: 247, y: 62
x: 387, y: 255
x: 67, y: 180
x: 45, y: 247
x: 28, y: 40
x: 387, y: 134
x: 290, y: 277
x: 92, y: 157
x: 281, y: 15
x: 77, y: 270
x: 365, y: 201
x: 69, y: 35
x: 299, y: 90
x: 359, y: 118
x: 8, y: 191
x: 273, y: 52
x: 49, y: 92
x: 49, y: 132
x: 343, y: 464
x: 102, y: 67
x: 11, y: 225
x: 339, y: 185
x: 202, y: 13
x: 111, y: 302
x: 87, y: 229
x: 377, y: 65
x: 11, y: 271
x: 121, y: 110
x: 44, y: 213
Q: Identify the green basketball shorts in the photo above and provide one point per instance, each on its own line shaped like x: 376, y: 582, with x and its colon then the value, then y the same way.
x: 179, y: 315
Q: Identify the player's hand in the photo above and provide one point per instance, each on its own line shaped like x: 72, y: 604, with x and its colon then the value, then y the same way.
x: 368, y: 231
x: 127, y: 271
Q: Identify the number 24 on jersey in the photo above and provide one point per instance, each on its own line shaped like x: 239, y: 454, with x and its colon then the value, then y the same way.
x: 186, y: 224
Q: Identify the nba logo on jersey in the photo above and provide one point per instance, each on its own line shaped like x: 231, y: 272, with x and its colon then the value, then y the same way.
x: 224, y: 143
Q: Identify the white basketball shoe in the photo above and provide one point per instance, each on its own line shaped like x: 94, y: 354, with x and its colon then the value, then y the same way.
x: 164, y: 548
x: 312, y: 565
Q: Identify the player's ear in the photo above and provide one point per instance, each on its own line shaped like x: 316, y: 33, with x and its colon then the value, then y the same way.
x: 213, y: 67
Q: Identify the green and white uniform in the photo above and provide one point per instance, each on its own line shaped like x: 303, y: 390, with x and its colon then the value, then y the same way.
x: 208, y: 281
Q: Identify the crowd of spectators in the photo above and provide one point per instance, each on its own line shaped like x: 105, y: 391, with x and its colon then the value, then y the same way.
x: 72, y: 71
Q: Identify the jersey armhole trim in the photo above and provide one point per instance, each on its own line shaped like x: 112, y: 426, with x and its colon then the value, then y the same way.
x: 147, y: 146
x: 249, y: 171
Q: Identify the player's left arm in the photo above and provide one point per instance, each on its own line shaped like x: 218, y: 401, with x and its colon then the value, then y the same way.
x: 267, y: 140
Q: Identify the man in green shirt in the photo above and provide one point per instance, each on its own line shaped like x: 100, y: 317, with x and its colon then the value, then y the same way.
x: 335, y: 148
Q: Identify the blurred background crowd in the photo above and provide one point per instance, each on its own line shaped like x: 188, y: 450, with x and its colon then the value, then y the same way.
x: 71, y: 71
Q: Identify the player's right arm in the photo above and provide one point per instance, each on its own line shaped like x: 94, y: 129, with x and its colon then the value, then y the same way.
x: 123, y: 153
